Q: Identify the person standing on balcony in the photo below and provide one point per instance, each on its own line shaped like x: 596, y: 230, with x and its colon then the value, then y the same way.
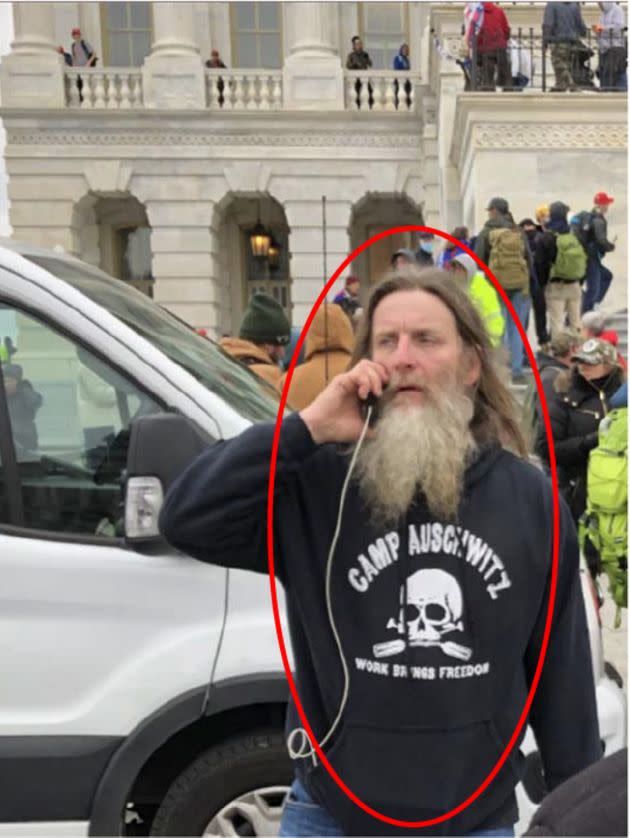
x: 612, y: 47
x: 82, y: 53
x: 402, y: 63
x: 563, y: 27
x: 359, y: 59
x: 490, y: 50
x: 215, y: 62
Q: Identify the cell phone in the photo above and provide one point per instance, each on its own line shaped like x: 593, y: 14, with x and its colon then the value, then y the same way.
x: 371, y: 401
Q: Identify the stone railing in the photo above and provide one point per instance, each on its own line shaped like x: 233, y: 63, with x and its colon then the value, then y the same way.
x: 380, y: 90
x: 244, y: 90
x: 112, y: 88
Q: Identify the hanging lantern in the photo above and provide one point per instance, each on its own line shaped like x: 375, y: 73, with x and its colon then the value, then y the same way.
x: 273, y: 253
x: 259, y: 240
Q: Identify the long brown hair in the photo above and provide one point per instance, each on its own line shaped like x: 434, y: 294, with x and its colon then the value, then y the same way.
x: 495, y: 411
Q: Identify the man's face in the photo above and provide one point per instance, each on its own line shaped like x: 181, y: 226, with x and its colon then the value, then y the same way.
x: 591, y: 372
x: 421, y: 441
x: 414, y: 335
x: 358, y: 45
x: 400, y: 261
x: 603, y: 208
x: 10, y: 385
x: 529, y: 228
x: 76, y: 36
x: 353, y: 288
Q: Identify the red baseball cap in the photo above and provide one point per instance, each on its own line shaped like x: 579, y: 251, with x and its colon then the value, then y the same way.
x: 76, y: 31
x: 602, y: 199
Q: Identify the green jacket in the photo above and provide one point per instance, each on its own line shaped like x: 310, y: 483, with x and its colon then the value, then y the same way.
x: 484, y: 296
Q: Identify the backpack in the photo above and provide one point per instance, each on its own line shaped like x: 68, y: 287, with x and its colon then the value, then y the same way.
x: 507, y: 258
x: 570, y: 261
x: 582, y: 226
x: 605, y: 520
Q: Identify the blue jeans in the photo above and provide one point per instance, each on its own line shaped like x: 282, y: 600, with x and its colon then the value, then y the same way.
x: 303, y: 817
x: 511, y: 336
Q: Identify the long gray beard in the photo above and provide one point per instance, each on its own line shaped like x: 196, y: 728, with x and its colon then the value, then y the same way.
x: 417, y: 448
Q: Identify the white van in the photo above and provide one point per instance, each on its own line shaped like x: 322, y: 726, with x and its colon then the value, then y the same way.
x: 142, y: 692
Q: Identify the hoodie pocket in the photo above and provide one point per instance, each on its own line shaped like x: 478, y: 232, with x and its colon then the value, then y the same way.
x: 418, y: 769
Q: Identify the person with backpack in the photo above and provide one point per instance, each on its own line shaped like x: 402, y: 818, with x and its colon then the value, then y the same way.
x: 592, y: 230
x: 580, y: 401
x: 603, y: 528
x: 503, y: 247
x: 561, y: 266
x: 83, y: 54
x: 536, y: 291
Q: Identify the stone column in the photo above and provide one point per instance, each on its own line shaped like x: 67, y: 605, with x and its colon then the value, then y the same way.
x: 31, y: 76
x: 313, y: 77
x: 304, y: 217
x: 173, y: 75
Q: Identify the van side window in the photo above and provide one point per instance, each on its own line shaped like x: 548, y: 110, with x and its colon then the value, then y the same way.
x: 69, y: 414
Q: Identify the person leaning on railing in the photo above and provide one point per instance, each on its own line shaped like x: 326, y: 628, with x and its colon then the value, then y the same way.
x: 612, y: 47
x: 563, y: 27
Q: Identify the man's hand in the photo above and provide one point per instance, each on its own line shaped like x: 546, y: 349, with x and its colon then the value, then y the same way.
x: 336, y: 415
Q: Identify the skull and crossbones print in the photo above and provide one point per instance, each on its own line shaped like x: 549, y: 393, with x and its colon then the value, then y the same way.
x: 431, y: 606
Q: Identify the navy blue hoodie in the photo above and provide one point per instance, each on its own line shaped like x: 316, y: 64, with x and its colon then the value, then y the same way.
x: 440, y: 624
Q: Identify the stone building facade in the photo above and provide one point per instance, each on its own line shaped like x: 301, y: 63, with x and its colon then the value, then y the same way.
x: 158, y: 171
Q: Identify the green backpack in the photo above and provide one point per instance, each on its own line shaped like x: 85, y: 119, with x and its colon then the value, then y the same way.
x: 571, y: 259
x: 605, y: 521
x: 507, y: 258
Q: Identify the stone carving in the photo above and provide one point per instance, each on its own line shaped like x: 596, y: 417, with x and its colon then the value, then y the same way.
x: 390, y: 139
x: 520, y: 135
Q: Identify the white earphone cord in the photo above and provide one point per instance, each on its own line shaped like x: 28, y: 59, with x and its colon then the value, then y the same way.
x: 300, y: 752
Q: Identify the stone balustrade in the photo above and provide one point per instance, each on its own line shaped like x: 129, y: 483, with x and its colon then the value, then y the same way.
x: 110, y: 88
x: 244, y: 90
x: 380, y: 90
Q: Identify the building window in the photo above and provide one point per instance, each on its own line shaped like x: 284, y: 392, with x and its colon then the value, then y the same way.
x: 127, y: 33
x: 257, y: 35
x: 384, y: 27
x: 267, y: 277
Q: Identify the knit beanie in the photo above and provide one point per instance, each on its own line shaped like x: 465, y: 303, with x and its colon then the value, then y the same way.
x: 264, y: 321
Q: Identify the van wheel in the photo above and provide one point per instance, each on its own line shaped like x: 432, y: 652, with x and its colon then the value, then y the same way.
x: 235, y: 788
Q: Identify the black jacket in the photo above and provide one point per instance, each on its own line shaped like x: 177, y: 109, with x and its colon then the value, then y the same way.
x: 595, y: 802
x: 575, y: 411
x: 434, y: 695
x: 563, y: 22
x: 599, y: 226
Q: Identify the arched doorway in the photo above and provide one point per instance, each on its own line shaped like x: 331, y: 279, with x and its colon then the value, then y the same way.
x: 373, y: 214
x: 247, y: 274
x: 112, y: 232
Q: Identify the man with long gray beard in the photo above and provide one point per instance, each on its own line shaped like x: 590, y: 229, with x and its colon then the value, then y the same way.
x: 416, y: 556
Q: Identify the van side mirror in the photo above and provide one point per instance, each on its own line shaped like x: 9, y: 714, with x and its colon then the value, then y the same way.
x: 161, y: 446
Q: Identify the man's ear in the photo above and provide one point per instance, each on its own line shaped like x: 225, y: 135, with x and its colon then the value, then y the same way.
x: 472, y: 365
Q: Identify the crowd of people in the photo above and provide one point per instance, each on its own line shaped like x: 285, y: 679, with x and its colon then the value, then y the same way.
x: 551, y: 264
x: 491, y: 54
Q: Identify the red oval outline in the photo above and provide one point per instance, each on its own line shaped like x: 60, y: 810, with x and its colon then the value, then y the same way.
x: 556, y: 535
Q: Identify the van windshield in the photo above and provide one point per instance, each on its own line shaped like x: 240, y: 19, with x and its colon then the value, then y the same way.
x: 252, y: 397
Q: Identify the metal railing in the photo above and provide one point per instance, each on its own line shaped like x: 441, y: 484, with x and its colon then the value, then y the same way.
x: 244, y: 90
x: 380, y: 90
x: 532, y: 62
x: 113, y: 88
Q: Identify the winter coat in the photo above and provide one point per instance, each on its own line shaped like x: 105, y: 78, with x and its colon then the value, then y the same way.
x: 563, y: 22
x: 401, y: 62
x: 612, y: 23
x: 254, y: 357
x: 329, y: 346
x: 593, y: 802
x: 599, y: 225
x: 495, y: 30
x: 575, y: 410
x: 485, y: 298
x: 358, y: 61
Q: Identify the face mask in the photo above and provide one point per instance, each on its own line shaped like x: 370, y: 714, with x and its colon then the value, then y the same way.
x: 426, y: 247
